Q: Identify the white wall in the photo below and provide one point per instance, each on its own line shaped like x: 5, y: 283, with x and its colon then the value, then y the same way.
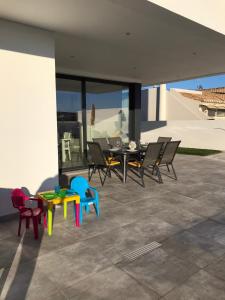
x: 182, y: 108
x: 28, y: 127
x: 175, y: 106
x: 205, y: 134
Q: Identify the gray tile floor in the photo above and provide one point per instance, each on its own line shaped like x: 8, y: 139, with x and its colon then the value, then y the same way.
x: 187, y: 217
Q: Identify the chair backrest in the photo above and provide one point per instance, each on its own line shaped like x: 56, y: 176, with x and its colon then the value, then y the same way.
x: 152, y: 154
x: 115, y: 141
x: 164, y: 139
x: 169, y: 152
x: 67, y: 135
x: 18, y: 198
x: 102, y: 142
x: 80, y: 185
x: 95, y: 152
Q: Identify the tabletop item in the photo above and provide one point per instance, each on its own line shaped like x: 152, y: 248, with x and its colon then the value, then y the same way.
x: 57, y: 189
x: 132, y: 145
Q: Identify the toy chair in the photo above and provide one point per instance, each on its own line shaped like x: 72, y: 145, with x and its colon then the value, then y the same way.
x: 80, y: 186
x: 18, y: 199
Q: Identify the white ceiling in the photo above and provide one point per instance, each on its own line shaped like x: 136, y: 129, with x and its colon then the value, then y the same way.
x: 130, y: 40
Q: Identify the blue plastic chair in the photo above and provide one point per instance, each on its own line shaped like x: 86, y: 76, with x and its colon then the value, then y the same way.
x: 80, y: 186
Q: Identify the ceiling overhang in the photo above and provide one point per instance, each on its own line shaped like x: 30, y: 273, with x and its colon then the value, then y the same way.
x: 126, y: 40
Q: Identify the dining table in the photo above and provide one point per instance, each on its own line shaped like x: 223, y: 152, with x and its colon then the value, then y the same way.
x: 126, y: 154
x: 50, y: 198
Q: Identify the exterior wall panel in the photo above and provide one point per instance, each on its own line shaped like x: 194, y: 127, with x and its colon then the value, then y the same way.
x: 28, y: 127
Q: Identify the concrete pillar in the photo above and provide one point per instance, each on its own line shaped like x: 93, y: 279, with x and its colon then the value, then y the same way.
x: 162, y: 102
x: 135, y: 111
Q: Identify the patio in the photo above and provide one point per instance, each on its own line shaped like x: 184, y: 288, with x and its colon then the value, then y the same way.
x: 186, y: 217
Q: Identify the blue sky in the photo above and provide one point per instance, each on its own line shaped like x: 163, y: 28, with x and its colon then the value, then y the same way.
x: 206, y: 82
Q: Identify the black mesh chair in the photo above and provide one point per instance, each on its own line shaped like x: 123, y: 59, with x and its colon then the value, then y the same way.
x: 150, y: 160
x: 168, y: 156
x: 115, y: 141
x: 164, y: 139
x: 102, y: 142
x: 99, y: 163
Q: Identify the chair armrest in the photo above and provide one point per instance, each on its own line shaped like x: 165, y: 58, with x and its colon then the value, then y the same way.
x: 40, y: 202
x: 26, y: 209
x: 94, y: 190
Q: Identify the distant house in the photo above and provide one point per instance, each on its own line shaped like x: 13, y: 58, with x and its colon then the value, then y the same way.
x: 211, y: 101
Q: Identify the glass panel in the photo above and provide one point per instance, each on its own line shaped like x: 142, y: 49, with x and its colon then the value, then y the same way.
x: 69, y: 120
x: 107, y: 110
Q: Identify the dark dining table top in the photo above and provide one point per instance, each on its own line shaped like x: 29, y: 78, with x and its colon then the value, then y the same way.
x: 126, y: 150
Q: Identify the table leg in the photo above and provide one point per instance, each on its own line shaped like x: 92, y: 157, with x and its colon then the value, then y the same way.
x: 65, y: 209
x: 77, y: 214
x: 124, y: 167
x: 50, y: 219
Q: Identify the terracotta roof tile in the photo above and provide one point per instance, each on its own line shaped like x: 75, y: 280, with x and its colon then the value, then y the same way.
x: 206, y: 96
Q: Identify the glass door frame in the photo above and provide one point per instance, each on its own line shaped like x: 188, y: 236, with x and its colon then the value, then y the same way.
x: 134, y: 118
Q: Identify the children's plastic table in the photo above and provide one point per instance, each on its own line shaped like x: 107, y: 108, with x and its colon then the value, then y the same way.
x: 51, y: 199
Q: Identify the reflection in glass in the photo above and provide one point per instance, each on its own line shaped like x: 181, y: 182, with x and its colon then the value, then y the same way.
x: 107, y: 110
x: 69, y: 121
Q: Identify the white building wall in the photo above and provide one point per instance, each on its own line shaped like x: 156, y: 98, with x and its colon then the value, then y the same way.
x: 203, y: 134
x: 182, y: 108
x: 28, y: 127
x: 184, y: 121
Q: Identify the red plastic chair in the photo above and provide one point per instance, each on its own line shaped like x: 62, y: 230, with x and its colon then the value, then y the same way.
x: 18, y: 200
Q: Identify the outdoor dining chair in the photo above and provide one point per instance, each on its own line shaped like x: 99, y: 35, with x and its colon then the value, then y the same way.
x: 168, y: 156
x: 150, y: 160
x: 115, y: 142
x: 88, y: 195
x: 164, y: 139
x: 100, y: 163
x: 103, y: 143
x: 18, y: 199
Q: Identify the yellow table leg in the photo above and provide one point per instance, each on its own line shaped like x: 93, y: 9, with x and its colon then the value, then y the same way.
x: 65, y: 209
x: 50, y: 220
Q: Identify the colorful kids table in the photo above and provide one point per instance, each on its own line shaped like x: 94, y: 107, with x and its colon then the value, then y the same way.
x: 51, y: 198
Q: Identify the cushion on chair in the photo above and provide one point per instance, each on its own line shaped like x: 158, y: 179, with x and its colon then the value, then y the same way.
x: 112, y: 162
x: 36, y: 212
x: 136, y: 164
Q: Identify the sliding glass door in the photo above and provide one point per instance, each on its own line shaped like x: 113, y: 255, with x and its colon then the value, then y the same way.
x: 107, y: 110
x: 69, y: 121
x: 87, y: 109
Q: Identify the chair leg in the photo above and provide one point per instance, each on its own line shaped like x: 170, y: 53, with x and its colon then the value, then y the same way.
x: 104, y: 178
x: 81, y: 214
x: 45, y: 220
x: 35, y: 224
x: 89, y: 174
x: 27, y: 223
x: 19, y: 228
x: 87, y: 208
x: 168, y: 167
x: 142, y: 177
x: 153, y: 170
x: 175, y: 175
x: 96, y: 207
x: 158, y: 174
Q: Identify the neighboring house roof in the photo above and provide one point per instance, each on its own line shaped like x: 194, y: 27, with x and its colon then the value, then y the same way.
x: 213, y: 106
x: 208, y: 96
